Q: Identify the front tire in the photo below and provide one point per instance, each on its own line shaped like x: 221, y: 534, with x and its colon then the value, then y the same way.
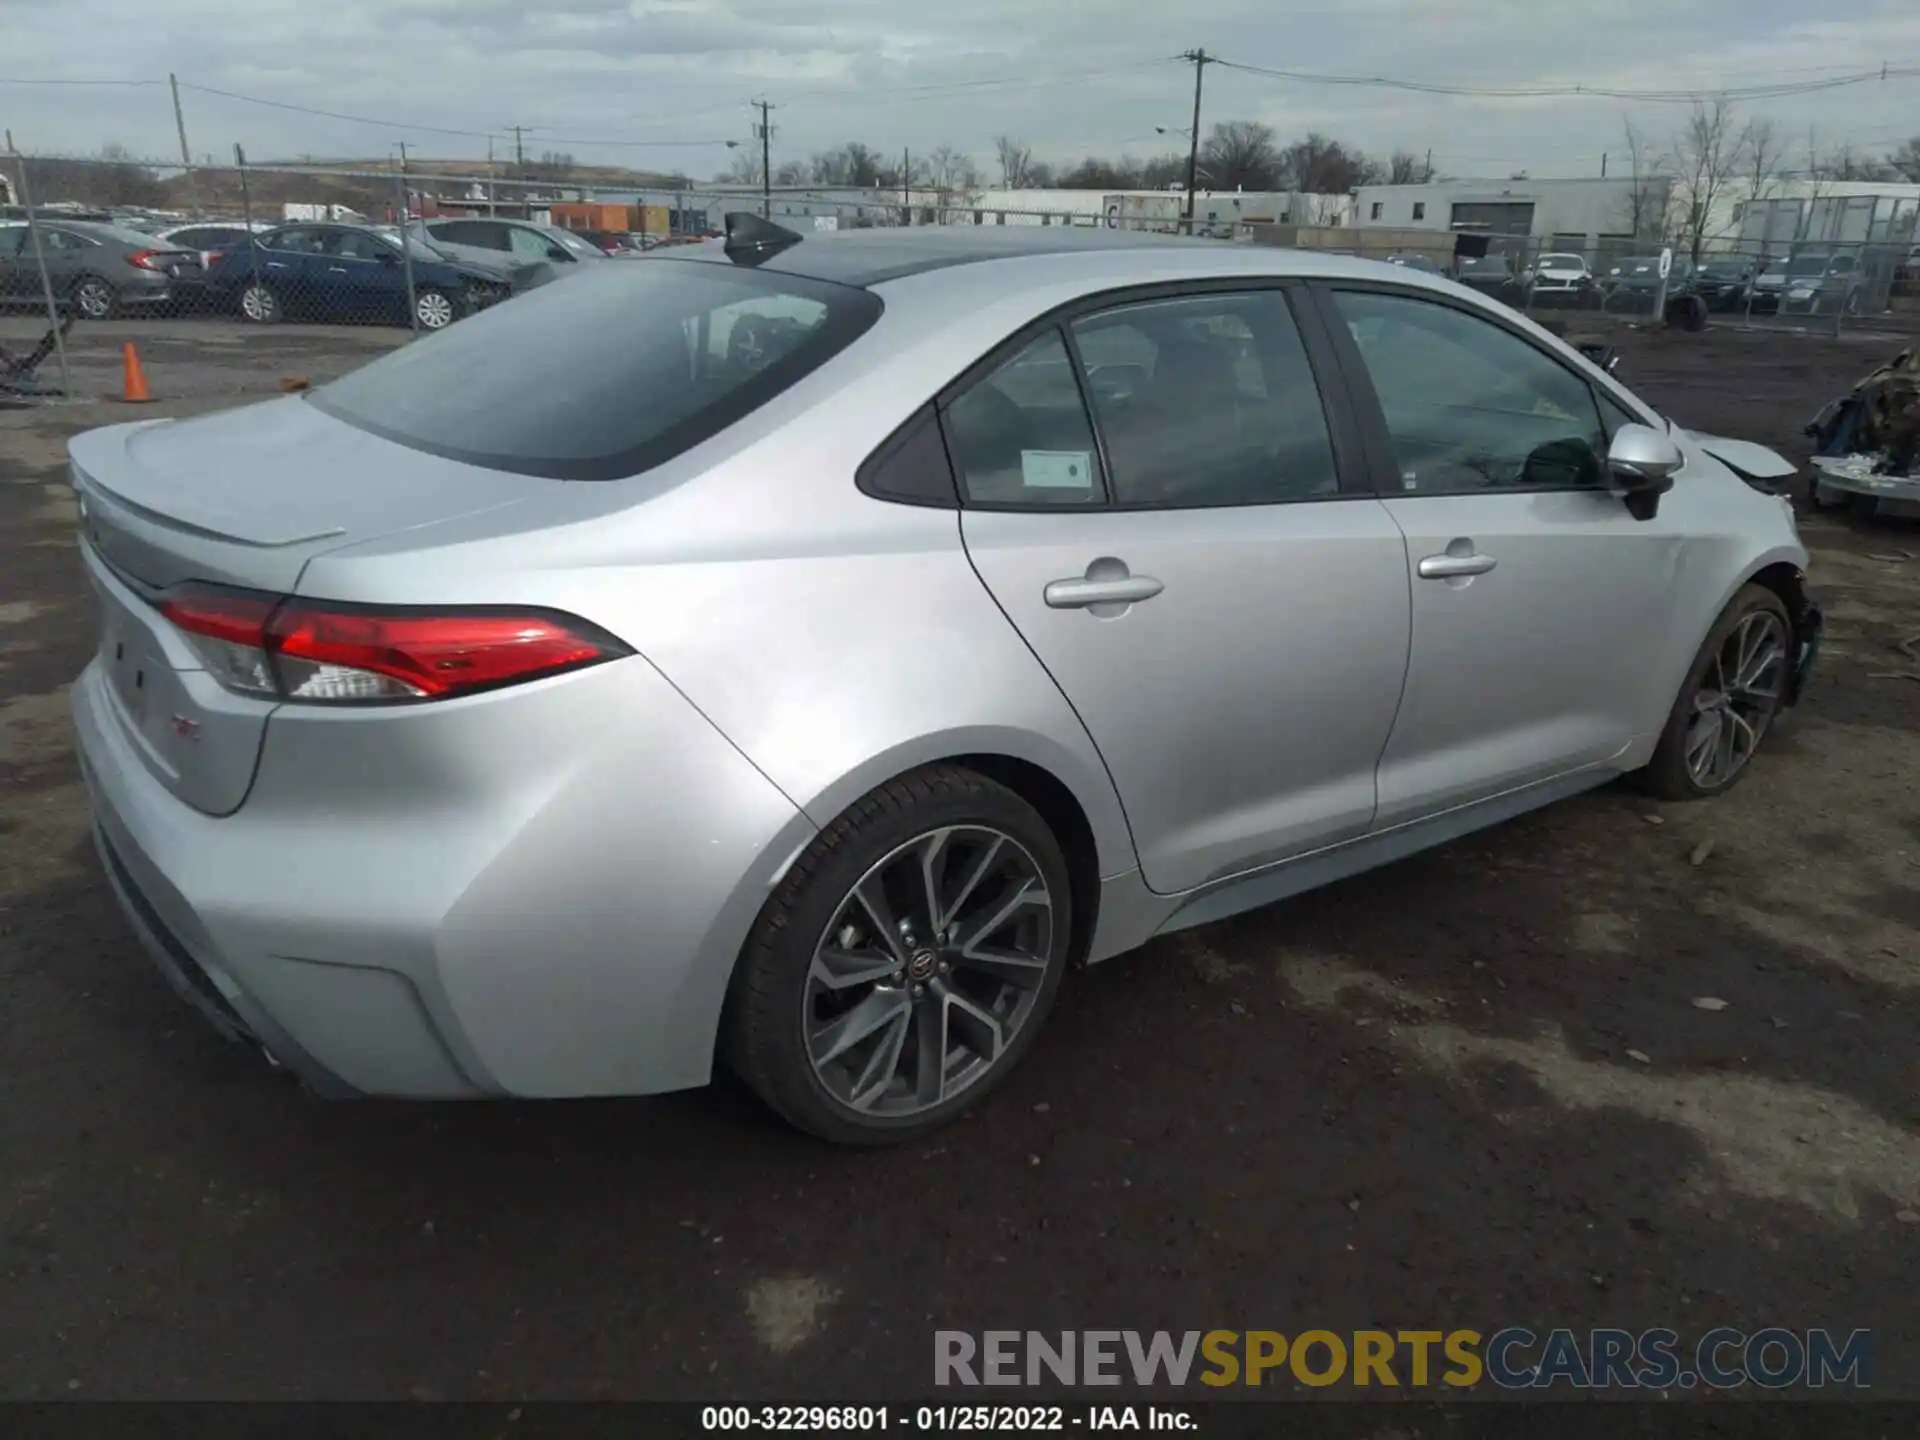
x: 435, y: 309
x: 1733, y: 694
x: 906, y: 962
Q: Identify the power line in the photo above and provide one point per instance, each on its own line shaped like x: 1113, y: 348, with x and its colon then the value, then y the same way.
x: 1530, y: 92
x: 83, y: 82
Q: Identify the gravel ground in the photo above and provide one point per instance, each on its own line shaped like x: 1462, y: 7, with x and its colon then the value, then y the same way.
x: 1469, y: 1090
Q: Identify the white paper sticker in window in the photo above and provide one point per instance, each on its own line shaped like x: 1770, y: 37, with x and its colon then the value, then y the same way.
x: 1056, y: 469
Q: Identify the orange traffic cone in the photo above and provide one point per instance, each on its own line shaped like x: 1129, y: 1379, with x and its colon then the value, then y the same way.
x: 133, y: 388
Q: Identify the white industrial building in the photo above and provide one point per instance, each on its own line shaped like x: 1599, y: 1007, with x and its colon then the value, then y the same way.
x: 1158, y: 209
x: 1566, y: 214
x: 1599, y: 214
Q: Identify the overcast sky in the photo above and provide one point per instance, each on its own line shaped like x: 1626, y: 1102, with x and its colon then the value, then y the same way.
x: 1070, y: 78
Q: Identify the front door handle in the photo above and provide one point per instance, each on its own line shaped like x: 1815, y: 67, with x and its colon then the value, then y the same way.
x: 1107, y: 589
x: 1449, y: 567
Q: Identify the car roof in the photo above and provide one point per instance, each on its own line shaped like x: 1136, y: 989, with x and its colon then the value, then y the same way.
x: 872, y: 257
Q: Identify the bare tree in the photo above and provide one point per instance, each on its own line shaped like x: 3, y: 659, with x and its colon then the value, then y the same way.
x: 1905, y: 162
x: 1016, y: 163
x: 1240, y: 154
x: 1323, y: 166
x: 1706, y: 154
x: 1406, y: 168
x: 1644, y: 212
x: 743, y: 168
x: 948, y: 169
x: 1762, y: 151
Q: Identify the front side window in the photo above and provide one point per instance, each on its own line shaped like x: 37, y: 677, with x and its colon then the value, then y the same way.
x: 354, y: 245
x: 528, y: 242
x: 608, y: 375
x: 1470, y: 407
x: 1021, y: 436
x: 1206, y: 400
x: 299, y: 242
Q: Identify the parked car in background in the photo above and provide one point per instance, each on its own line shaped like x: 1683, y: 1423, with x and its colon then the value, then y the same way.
x: 611, y: 242
x: 531, y: 254
x: 1724, y: 282
x: 206, y: 237
x: 1821, y: 283
x: 1414, y: 260
x: 100, y: 269
x: 1492, y: 274
x: 349, y: 273
x: 519, y: 238
x: 1631, y: 285
x: 801, y: 652
x: 1561, y: 278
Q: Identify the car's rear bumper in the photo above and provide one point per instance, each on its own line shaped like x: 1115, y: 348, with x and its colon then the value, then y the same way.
x: 445, y: 916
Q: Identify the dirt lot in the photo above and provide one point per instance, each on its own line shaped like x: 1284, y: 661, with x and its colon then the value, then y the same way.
x: 1472, y: 1089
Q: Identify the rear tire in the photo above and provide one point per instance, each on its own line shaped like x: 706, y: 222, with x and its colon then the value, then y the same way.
x: 260, y: 305
x: 1732, y: 696
x: 94, y: 298
x: 822, y: 953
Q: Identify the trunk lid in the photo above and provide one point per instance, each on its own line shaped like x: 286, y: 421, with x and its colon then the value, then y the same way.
x: 244, y: 497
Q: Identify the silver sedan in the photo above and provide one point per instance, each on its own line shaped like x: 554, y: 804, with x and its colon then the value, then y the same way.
x: 802, y: 652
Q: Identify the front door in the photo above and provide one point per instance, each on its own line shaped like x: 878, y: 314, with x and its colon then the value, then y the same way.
x: 1230, y: 629
x: 1536, y: 595
x: 367, y: 274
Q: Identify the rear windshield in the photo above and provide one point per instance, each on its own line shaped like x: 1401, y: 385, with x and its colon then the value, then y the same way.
x: 607, y: 375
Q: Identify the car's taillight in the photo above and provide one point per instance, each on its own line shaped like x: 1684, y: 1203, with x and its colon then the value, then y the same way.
x: 320, y: 653
x: 146, y: 259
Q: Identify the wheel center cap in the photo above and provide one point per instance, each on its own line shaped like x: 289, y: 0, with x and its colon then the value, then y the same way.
x: 921, y: 965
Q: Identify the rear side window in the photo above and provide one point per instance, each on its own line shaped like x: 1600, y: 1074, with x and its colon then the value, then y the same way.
x: 1207, y: 400
x: 1021, y: 437
x: 608, y: 375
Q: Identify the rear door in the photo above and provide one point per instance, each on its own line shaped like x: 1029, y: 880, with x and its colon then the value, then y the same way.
x: 289, y: 265
x: 1537, y: 599
x: 1153, y: 495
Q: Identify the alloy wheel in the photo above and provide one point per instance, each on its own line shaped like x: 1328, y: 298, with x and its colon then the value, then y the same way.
x: 931, y: 965
x: 434, y: 309
x: 95, y: 299
x: 259, y: 303
x: 1736, y: 700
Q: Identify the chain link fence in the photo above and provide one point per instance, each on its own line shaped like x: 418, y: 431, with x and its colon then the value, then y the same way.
x: 418, y: 248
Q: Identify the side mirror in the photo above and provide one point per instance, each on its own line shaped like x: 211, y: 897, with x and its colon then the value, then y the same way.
x: 389, y: 257
x: 554, y: 252
x: 1642, y: 462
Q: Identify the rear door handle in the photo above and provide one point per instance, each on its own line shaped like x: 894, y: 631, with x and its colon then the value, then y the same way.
x: 1079, y: 594
x: 1448, y: 567
x: 276, y: 264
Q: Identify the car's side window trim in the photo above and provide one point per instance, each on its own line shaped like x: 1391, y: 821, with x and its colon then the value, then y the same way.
x: 1366, y: 401
x: 1345, y: 435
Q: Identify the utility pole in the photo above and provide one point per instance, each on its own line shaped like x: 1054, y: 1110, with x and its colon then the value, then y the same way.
x: 1199, y: 59
x: 406, y: 199
x: 186, y: 155
x: 766, y: 159
x: 1603, y: 164
x: 519, y: 148
x: 1426, y: 175
x: 906, y: 186
x: 493, y: 198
